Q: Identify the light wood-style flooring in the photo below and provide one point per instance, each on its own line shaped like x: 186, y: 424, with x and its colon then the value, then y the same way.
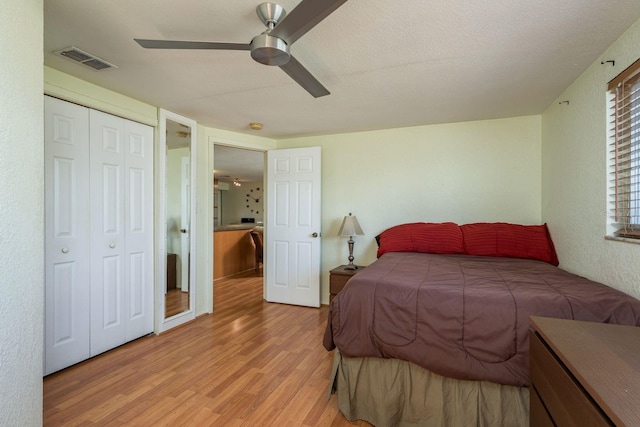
x: 175, y: 301
x: 251, y: 363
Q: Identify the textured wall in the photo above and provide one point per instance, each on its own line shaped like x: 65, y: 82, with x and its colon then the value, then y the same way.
x: 21, y: 213
x: 235, y: 202
x: 462, y: 172
x: 574, y: 190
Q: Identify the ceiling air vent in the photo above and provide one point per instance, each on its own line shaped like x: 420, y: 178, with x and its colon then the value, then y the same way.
x: 85, y: 58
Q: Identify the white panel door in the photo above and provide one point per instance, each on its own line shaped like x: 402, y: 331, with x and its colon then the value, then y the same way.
x: 67, y: 278
x: 138, y: 220
x: 108, y: 240
x: 122, y: 245
x: 293, y: 226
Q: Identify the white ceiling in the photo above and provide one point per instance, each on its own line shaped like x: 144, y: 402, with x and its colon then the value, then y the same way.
x: 231, y: 163
x: 387, y: 64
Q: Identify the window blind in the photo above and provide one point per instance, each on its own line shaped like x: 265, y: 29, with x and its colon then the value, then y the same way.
x: 624, y: 153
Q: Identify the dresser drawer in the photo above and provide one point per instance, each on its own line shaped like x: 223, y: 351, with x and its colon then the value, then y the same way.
x: 538, y: 415
x: 565, y: 400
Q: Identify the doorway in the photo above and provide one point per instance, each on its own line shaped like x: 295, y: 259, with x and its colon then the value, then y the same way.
x: 238, y: 206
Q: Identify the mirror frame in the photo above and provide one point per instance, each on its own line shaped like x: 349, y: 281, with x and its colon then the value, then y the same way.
x: 163, y: 324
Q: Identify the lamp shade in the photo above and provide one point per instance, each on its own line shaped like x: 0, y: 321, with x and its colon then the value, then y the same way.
x: 350, y: 227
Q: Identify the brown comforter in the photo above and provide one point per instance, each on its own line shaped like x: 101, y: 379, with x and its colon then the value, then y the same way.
x: 462, y: 316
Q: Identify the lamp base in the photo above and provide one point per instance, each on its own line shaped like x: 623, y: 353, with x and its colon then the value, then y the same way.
x: 351, y: 265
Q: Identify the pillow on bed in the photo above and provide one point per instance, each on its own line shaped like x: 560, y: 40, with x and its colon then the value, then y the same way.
x: 509, y: 240
x: 436, y: 238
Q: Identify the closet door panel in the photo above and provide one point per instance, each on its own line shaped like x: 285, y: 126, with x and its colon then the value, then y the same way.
x: 138, y: 162
x: 99, y: 232
x: 108, y: 275
x: 67, y: 277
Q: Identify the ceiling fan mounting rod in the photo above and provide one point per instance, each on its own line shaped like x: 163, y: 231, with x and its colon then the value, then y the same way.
x: 270, y: 14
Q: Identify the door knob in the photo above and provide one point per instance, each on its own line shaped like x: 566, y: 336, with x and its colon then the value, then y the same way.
x: 183, y: 230
x: 64, y: 250
x: 314, y: 235
x: 112, y: 245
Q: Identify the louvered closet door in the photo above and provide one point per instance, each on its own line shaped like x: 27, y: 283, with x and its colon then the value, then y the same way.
x: 122, y: 245
x: 67, y: 278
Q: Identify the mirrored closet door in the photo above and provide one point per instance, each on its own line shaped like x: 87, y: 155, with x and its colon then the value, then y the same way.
x: 176, y: 159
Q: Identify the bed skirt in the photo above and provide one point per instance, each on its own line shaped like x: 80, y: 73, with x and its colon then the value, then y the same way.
x: 391, y: 392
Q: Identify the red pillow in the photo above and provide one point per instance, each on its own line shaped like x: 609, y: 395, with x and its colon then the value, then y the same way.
x: 435, y: 238
x: 509, y: 240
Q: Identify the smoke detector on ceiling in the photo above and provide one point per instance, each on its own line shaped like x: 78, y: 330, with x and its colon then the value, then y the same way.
x: 82, y: 57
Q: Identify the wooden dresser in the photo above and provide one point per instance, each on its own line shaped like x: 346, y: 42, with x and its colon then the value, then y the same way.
x: 584, y: 373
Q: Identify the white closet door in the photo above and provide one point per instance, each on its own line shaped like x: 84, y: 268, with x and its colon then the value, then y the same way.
x: 122, y: 245
x: 108, y: 240
x: 139, y: 230
x: 67, y: 278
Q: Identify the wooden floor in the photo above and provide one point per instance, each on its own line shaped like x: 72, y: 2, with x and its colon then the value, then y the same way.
x: 251, y: 363
x: 175, y: 301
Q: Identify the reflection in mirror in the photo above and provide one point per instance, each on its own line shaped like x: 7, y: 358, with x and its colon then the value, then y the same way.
x: 177, y: 187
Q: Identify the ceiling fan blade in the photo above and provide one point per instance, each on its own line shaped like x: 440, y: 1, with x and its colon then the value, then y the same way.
x: 178, y: 44
x: 297, y: 72
x: 304, y: 17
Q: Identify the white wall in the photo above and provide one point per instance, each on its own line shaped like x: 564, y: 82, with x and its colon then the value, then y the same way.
x: 574, y: 190
x: 21, y: 213
x: 462, y: 172
x: 73, y: 89
x: 234, y: 203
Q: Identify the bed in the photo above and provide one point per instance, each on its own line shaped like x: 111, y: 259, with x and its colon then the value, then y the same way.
x: 436, y: 331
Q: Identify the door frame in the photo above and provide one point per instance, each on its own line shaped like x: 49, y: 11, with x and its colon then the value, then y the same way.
x: 263, y: 145
x: 185, y: 198
x: 163, y: 324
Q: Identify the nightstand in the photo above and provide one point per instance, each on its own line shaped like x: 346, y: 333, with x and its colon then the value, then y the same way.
x: 338, y: 277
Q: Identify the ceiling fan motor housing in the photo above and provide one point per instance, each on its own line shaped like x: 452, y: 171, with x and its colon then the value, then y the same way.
x: 269, y: 50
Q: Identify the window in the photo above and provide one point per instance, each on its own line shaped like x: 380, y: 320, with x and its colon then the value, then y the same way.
x: 624, y: 190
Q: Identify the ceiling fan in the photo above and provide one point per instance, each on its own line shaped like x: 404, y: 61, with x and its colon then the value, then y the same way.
x: 272, y: 46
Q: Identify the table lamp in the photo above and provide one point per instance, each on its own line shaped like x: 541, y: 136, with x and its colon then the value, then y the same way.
x: 350, y: 227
